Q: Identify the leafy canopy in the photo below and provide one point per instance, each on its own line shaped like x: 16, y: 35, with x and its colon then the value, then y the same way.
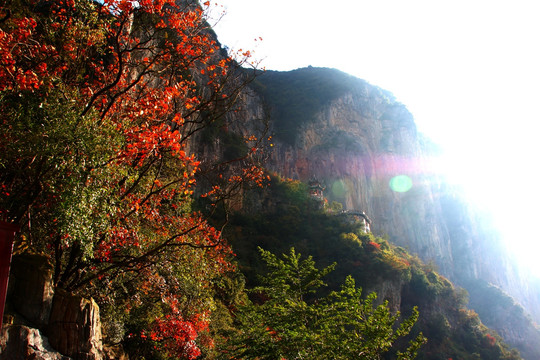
x: 290, y: 321
x: 99, y: 104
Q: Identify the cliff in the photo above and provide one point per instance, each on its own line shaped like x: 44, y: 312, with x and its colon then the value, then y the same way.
x: 355, y: 138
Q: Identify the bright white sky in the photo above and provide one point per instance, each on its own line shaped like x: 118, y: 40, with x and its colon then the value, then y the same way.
x: 469, y: 71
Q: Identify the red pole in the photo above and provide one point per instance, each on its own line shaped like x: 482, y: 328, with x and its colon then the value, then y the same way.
x: 7, y: 233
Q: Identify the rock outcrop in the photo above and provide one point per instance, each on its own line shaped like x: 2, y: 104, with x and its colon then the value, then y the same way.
x: 74, y: 326
x: 48, y: 323
x: 19, y: 342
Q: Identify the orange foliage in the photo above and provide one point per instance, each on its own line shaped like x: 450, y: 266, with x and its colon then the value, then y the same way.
x: 143, y: 82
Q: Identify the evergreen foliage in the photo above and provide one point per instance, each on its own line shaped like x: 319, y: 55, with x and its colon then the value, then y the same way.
x: 452, y: 330
x: 293, y: 322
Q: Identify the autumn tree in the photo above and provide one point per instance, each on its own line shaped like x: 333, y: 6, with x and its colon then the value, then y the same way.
x: 99, y: 106
x: 293, y: 321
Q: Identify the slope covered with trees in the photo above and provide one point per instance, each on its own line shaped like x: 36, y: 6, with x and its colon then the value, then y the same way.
x: 103, y: 106
x: 294, y: 219
x: 289, y: 325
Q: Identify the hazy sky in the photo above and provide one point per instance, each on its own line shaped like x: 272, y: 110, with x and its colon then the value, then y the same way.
x: 469, y: 71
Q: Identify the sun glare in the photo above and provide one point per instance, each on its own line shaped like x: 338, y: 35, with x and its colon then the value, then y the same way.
x: 506, y: 190
x: 474, y: 88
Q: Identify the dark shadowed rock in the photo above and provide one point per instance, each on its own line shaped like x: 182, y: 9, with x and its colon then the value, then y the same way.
x: 30, y: 288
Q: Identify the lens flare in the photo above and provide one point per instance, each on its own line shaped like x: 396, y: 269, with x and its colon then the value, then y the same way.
x: 339, y: 188
x: 401, y: 183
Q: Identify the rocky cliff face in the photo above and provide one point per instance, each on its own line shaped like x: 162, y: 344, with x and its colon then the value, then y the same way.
x: 356, y: 144
x: 47, y: 323
x: 356, y: 140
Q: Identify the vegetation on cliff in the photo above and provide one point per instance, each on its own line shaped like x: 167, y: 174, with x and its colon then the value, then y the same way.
x: 452, y: 330
x: 294, y: 97
x: 99, y: 105
x: 292, y: 322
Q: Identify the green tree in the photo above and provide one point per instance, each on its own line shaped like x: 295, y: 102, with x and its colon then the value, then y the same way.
x: 101, y: 107
x: 291, y: 321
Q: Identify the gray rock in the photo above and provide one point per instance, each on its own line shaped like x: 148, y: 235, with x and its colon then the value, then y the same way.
x: 18, y: 342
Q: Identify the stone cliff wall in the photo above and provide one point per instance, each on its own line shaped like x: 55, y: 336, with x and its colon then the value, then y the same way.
x: 363, y: 138
x: 356, y: 145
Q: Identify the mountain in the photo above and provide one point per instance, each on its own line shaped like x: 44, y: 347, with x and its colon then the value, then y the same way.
x: 128, y: 157
x: 364, y: 147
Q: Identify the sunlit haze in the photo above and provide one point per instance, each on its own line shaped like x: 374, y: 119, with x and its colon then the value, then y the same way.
x: 469, y: 71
